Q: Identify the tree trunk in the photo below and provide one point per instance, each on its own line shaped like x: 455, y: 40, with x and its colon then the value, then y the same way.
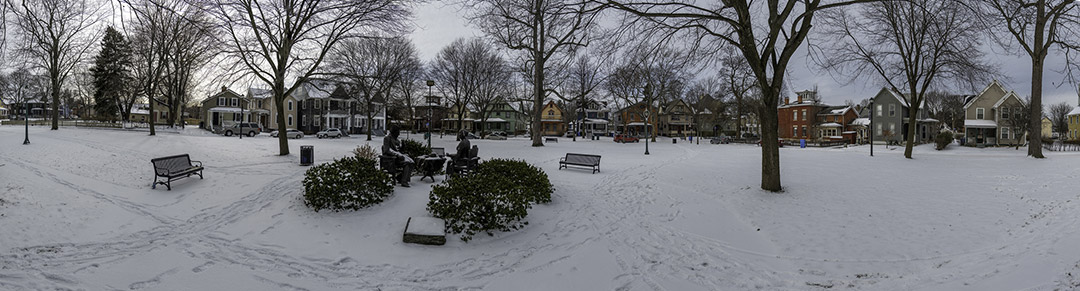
x: 912, y: 128
x: 770, y: 147
x: 279, y: 106
x: 1035, y: 113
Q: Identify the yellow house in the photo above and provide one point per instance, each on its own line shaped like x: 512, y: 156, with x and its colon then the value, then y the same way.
x: 1074, y: 124
x: 551, y: 120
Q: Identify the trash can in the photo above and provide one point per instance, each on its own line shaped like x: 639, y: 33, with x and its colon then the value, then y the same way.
x: 802, y: 143
x: 307, y: 155
x: 674, y: 140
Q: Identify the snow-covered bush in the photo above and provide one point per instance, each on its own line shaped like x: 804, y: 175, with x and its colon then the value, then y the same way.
x: 495, y: 198
x: 366, y: 152
x: 532, y: 181
x: 349, y: 183
x: 943, y: 139
x: 414, y: 148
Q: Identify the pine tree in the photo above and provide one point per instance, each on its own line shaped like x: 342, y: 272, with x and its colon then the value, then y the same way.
x: 111, y: 71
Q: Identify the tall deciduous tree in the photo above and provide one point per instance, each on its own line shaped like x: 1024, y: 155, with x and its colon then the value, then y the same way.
x: 1059, y: 120
x: 1034, y: 27
x: 454, y: 71
x: 912, y: 46
x: 542, y: 30
x: 56, y: 36
x: 767, y: 34
x: 112, y: 74
x: 282, y: 41
x: 373, y: 67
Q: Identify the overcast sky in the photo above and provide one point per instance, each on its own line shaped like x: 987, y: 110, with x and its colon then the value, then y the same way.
x: 438, y: 24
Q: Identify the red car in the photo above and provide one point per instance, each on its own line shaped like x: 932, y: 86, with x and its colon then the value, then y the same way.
x: 625, y: 138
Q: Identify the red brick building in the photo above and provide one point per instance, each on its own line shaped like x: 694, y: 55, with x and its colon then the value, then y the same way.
x: 797, y: 119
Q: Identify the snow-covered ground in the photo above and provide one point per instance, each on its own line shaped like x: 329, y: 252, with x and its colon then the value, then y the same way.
x: 77, y: 213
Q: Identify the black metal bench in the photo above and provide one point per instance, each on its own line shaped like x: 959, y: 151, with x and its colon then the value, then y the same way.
x: 581, y: 160
x: 174, y: 168
x: 551, y: 139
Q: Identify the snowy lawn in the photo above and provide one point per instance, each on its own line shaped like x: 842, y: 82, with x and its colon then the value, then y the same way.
x: 77, y: 213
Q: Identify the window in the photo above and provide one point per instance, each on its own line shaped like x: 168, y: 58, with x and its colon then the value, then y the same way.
x: 551, y: 112
x: 879, y: 111
x: 316, y: 122
x: 290, y: 116
x: 803, y: 131
x: 794, y: 115
x: 236, y: 117
x: 892, y: 128
x: 233, y: 102
x: 1004, y: 112
x: 892, y: 110
x: 794, y: 131
x: 979, y: 113
x: 1016, y: 113
x: 1004, y: 133
x: 221, y: 101
x: 804, y: 115
x: 290, y: 108
x: 317, y: 104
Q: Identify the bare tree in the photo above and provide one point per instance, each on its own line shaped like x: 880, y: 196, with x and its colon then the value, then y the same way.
x: 56, y: 36
x: 373, y: 67
x: 492, y: 79
x: 737, y: 78
x: 767, y: 34
x: 1036, y: 26
x: 412, y: 81
x: 948, y: 108
x: 650, y: 76
x: 542, y: 30
x: 279, y: 41
x: 584, y: 77
x: 455, y: 70
x: 192, y: 42
x: 1059, y: 117
x: 912, y: 46
x: 1021, y: 118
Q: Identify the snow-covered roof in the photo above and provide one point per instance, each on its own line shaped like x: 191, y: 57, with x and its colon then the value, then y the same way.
x: 979, y: 123
x: 1075, y: 111
x: 927, y: 120
x: 260, y: 93
x: 595, y: 121
x: 861, y: 121
x: 224, y: 109
x: 496, y: 119
x: 831, y: 124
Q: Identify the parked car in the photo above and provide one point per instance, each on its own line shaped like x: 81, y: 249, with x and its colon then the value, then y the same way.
x: 720, y: 140
x: 329, y: 132
x: 247, y: 128
x: 498, y: 133
x: 470, y: 135
x: 496, y: 137
x: 622, y: 138
x: 292, y: 133
x: 569, y: 134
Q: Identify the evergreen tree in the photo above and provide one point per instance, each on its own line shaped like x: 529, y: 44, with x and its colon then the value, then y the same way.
x: 111, y: 71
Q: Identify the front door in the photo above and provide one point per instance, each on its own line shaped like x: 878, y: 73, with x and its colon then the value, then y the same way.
x: 216, y: 120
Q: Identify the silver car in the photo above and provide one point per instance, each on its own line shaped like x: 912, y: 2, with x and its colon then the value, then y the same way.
x: 329, y: 132
x: 249, y: 129
x: 292, y: 133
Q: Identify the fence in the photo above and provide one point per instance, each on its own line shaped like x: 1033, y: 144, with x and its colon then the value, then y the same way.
x: 1061, y: 147
x: 92, y: 124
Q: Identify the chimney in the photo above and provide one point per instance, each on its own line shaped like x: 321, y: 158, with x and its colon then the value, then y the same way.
x: 223, y: 88
x: 787, y: 100
x: 800, y: 94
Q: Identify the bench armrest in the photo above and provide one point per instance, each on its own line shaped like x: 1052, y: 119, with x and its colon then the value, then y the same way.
x: 161, y: 171
x: 562, y: 159
x: 193, y: 163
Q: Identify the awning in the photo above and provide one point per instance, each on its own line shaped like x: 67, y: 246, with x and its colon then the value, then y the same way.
x: 979, y: 123
x: 225, y: 109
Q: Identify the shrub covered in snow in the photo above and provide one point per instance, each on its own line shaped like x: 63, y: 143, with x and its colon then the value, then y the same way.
x: 943, y: 139
x: 495, y: 198
x: 366, y: 152
x: 414, y: 148
x: 349, y: 183
x: 530, y: 180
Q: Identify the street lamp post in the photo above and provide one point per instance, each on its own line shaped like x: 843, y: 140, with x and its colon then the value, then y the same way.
x: 870, y: 128
x: 429, y: 100
x: 26, y: 121
x: 646, y: 130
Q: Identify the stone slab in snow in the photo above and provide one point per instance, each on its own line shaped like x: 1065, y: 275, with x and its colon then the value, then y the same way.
x: 425, y: 230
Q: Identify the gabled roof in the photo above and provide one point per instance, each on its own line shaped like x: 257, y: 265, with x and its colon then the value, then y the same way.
x: 983, y: 92
x: 259, y: 93
x: 1007, y: 95
x: 902, y: 100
